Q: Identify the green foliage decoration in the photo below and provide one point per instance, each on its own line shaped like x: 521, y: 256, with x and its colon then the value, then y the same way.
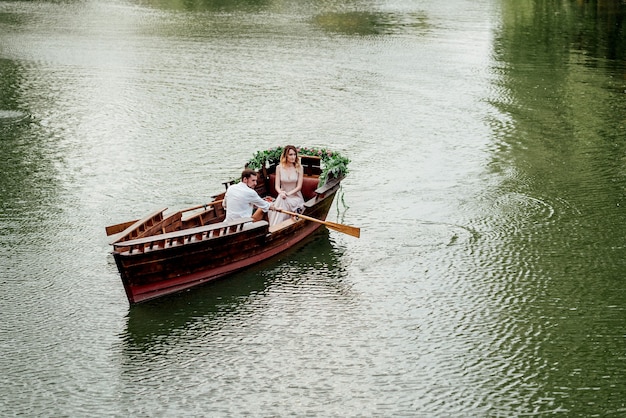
x: 334, y: 165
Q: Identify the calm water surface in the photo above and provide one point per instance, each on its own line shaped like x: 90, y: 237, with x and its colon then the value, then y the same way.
x: 488, y: 176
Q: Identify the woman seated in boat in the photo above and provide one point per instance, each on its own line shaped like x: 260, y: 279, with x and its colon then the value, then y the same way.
x: 289, y: 175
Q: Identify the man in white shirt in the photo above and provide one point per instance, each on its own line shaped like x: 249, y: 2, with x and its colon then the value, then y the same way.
x: 241, y: 198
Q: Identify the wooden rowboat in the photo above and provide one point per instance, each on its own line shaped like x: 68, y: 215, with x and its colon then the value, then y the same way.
x: 162, y: 254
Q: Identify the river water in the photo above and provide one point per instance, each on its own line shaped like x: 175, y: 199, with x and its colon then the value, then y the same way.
x: 488, y: 177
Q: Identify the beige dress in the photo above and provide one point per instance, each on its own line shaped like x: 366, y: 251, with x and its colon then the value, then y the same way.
x: 288, y: 182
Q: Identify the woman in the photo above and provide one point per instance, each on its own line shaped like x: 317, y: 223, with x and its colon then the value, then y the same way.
x: 289, y: 174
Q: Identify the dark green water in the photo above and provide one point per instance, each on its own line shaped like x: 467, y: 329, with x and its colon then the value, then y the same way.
x: 488, y: 176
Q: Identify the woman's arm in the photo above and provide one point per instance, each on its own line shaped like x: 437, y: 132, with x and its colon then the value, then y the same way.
x: 279, y: 191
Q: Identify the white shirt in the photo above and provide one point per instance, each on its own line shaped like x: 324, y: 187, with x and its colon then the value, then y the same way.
x: 240, y: 200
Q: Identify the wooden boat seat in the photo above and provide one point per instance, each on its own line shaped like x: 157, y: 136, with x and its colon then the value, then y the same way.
x: 186, y: 236
x: 200, y: 218
x: 311, y: 165
x: 281, y: 225
x: 309, y: 185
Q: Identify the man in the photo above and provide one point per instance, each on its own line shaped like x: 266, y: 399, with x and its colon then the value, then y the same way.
x: 241, y: 198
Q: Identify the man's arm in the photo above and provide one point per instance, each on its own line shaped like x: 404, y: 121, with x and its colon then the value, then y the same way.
x: 258, y: 202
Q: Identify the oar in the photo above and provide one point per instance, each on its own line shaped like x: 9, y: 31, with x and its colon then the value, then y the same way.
x: 346, y: 229
x: 114, y: 229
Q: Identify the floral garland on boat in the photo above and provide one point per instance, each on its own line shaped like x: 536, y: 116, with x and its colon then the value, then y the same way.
x: 334, y: 165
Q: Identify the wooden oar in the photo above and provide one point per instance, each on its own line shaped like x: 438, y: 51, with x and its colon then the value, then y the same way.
x: 346, y: 229
x: 114, y: 229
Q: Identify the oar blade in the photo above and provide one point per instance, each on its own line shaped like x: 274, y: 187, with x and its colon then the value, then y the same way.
x: 114, y: 229
x: 346, y: 229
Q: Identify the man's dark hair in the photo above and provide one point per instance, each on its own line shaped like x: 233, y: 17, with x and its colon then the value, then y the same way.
x: 247, y: 173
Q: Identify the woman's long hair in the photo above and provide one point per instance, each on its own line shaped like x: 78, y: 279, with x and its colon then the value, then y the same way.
x: 283, y: 156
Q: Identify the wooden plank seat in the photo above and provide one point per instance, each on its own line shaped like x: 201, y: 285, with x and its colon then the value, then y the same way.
x: 139, y: 228
x: 200, y: 218
x: 311, y: 165
x: 188, y: 235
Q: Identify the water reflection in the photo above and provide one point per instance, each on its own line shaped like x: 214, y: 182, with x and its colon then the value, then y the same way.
x: 601, y: 33
x: 372, y: 23
x: 209, y: 5
x: 553, y: 250
x: 238, y: 298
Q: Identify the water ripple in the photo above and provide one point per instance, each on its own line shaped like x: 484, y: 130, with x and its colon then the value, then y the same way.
x: 13, y: 117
